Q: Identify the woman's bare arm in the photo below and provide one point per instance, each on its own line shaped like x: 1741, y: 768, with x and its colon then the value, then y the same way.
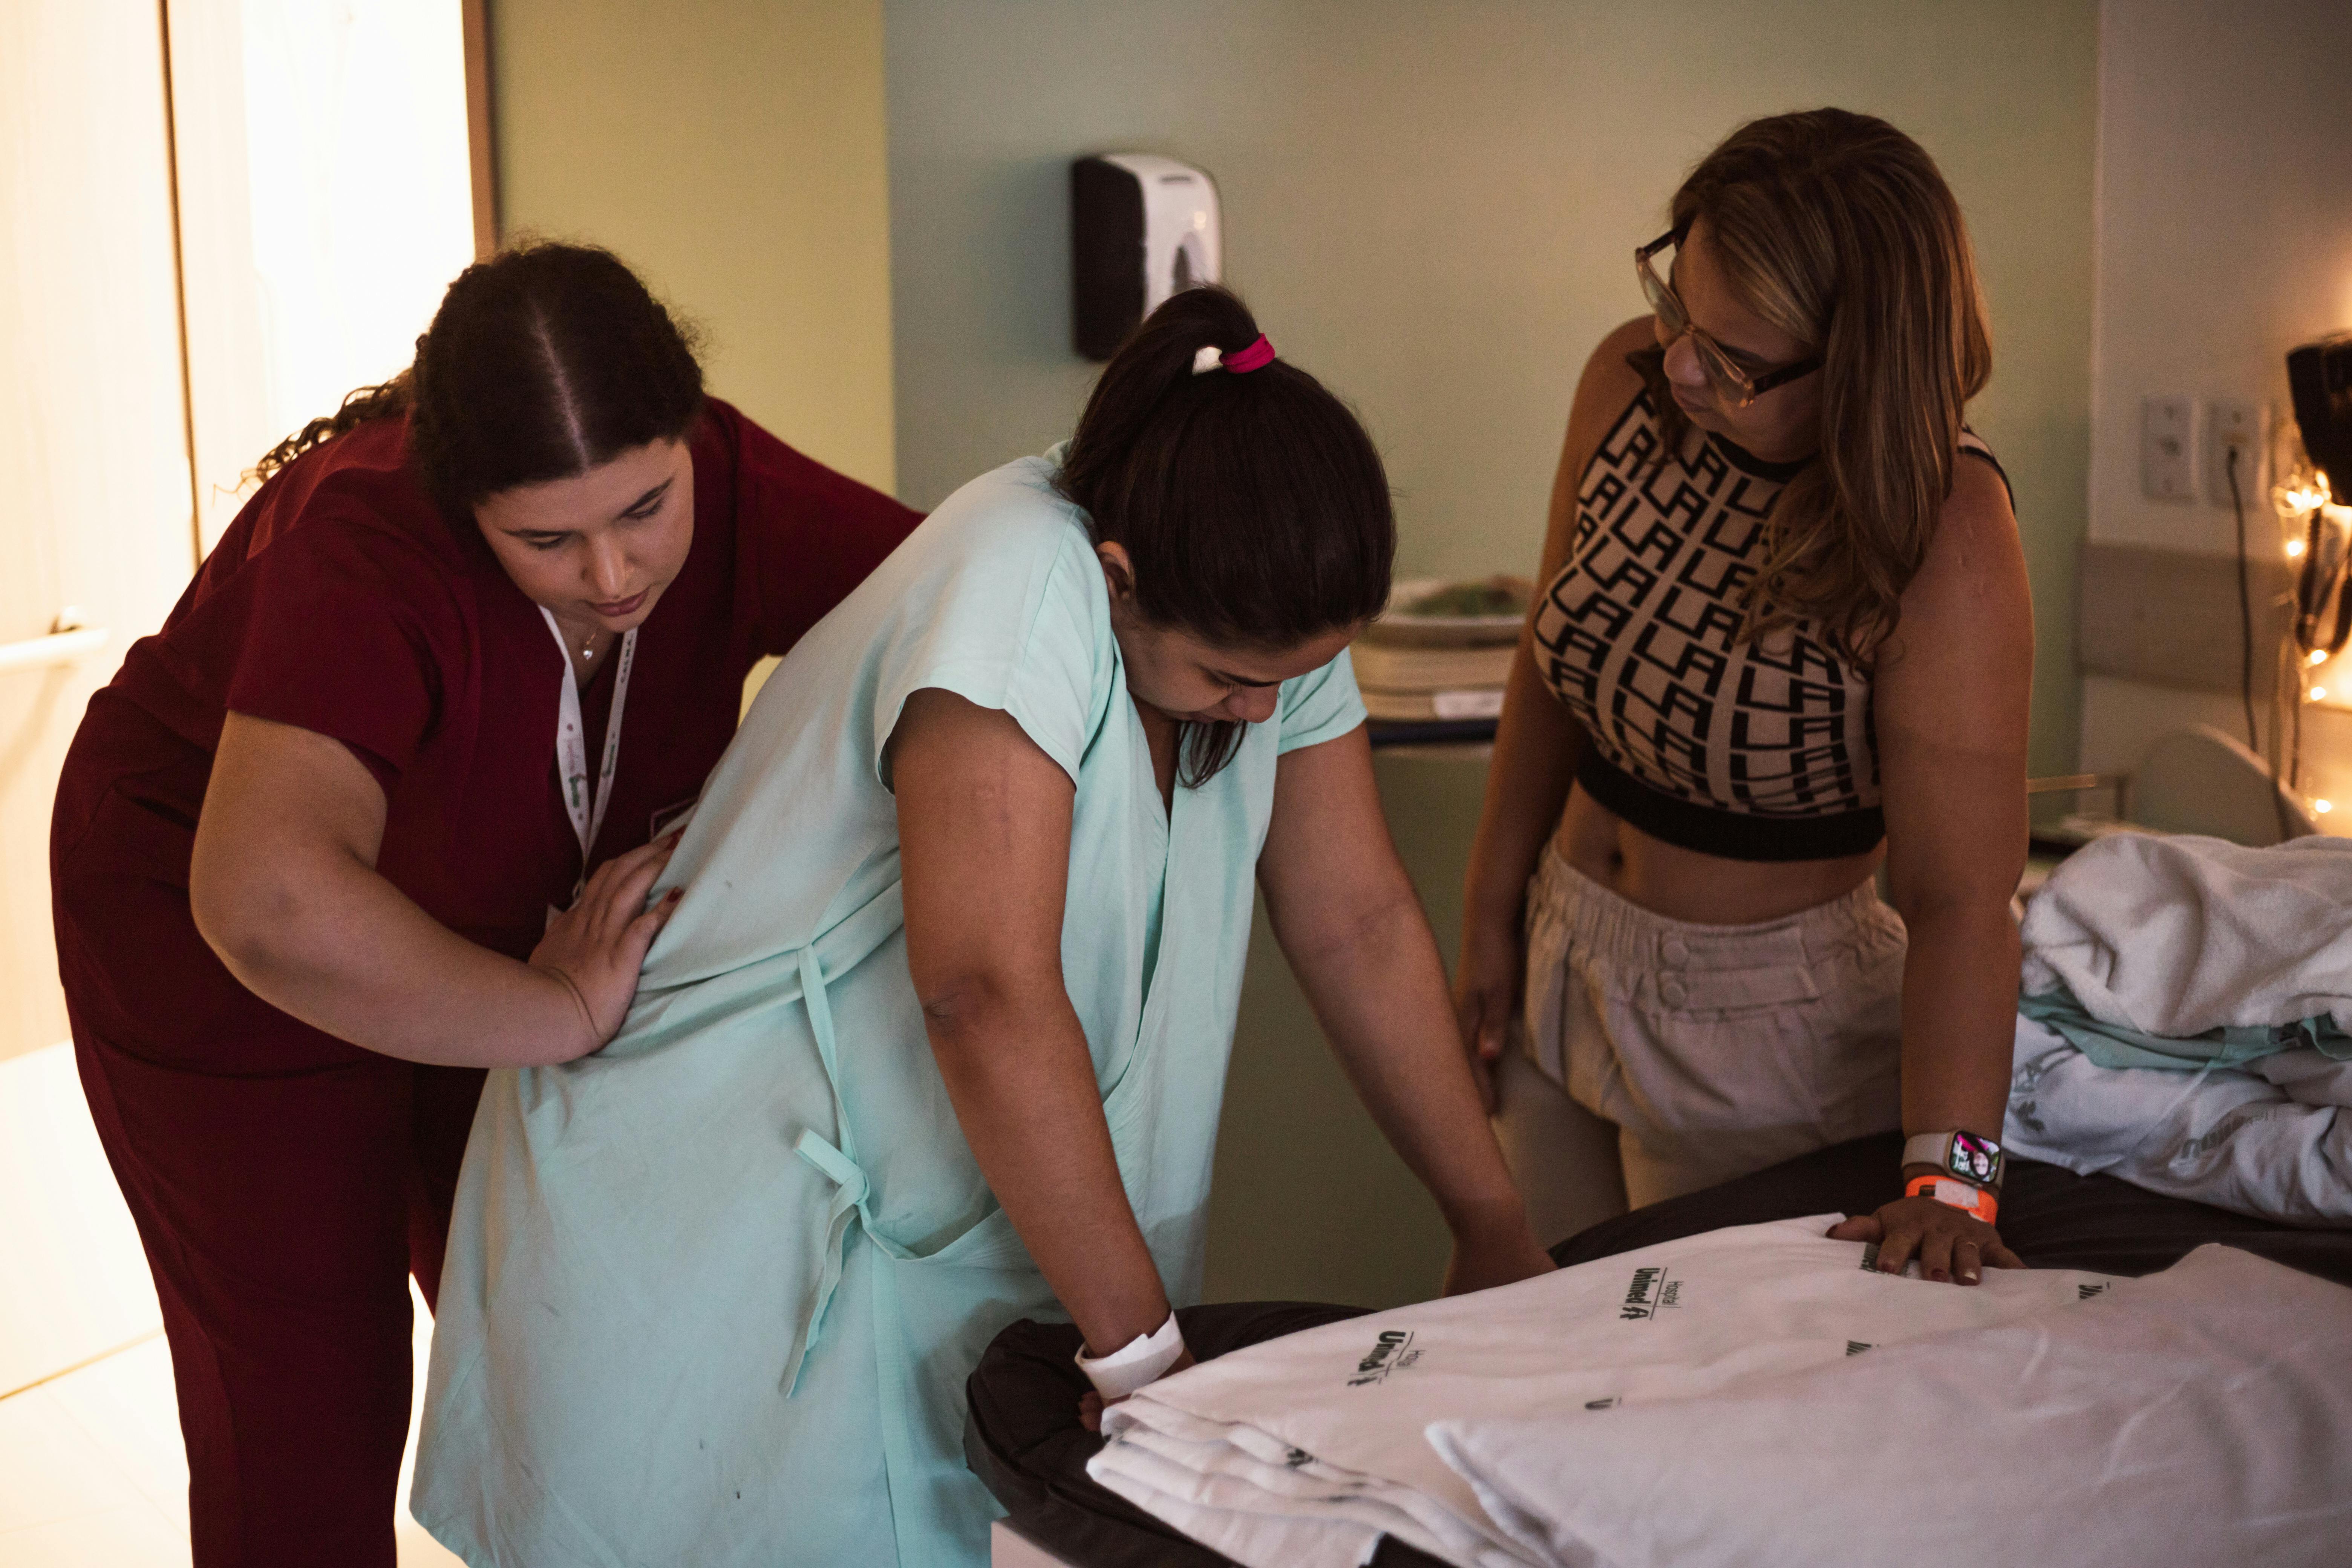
x: 984, y: 854
x: 1347, y: 918
x: 1953, y: 691
x: 1536, y: 744
x: 283, y: 886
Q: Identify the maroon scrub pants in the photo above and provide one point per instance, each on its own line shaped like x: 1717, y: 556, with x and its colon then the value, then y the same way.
x: 282, y: 1218
x: 285, y: 1184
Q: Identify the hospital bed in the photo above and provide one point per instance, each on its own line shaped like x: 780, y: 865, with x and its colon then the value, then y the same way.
x: 2194, y: 779
x: 1025, y: 1440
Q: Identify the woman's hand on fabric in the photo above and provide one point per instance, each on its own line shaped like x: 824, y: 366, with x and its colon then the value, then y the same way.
x: 1950, y: 1244
x: 1092, y: 1405
x: 1487, y: 983
x: 1502, y: 1254
x: 596, y: 948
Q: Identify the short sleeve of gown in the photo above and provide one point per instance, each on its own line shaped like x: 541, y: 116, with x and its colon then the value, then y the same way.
x: 1320, y: 706
x: 1016, y: 623
x: 339, y: 634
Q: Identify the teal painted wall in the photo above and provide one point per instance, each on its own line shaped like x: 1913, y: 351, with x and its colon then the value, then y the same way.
x: 1432, y: 206
x: 1309, y: 1203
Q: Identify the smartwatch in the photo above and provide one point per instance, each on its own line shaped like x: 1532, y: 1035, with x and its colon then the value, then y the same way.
x: 1962, y: 1154
x: 1977, y: 1201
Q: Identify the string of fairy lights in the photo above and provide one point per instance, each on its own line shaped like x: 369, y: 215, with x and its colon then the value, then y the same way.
x: 2316, y: 531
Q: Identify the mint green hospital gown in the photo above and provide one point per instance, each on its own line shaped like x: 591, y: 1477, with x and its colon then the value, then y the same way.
x: 712, y: 1293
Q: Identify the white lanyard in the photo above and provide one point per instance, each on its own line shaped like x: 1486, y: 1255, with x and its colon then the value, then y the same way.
x: 586, y: 808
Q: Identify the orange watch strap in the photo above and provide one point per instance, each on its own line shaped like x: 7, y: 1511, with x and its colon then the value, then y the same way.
x: 1976, y: 1201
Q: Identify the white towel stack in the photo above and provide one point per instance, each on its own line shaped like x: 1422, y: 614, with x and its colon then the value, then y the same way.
x: 1303, y: 1452
x: 2176, y: 933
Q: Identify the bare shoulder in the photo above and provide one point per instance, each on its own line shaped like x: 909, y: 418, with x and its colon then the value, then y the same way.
x: 1608, y: 382
x: 1975, y: 550
x: 1979, y: 506
x: 1602, y: 391
x: 1970, y: 592
x: 1606, y: 385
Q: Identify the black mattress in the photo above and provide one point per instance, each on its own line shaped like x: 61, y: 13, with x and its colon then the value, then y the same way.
x: 1023, y: 1439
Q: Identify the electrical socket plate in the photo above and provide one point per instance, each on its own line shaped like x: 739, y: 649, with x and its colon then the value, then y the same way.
x: 2165, y: 462
x: 2231, y: 425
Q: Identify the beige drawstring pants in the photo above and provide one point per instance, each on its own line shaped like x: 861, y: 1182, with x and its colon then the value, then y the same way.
x: 1708, y: 1051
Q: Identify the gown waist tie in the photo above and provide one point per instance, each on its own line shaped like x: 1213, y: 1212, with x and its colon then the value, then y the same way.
x: 989, y: 1243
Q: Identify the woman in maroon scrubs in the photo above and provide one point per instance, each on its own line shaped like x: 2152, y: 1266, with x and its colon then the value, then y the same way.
x: 310, y: 843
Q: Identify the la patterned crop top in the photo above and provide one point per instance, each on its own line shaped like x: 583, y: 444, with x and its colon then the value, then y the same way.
x: 1759, y: 750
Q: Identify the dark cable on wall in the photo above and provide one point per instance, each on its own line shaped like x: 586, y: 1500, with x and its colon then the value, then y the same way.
x: 2245, y: 613
x: 2295, y: 744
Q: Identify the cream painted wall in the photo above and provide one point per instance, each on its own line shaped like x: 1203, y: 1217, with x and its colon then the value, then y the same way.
x: 731, y: 151
x: 2224, y: 239
x: 1433, y: 204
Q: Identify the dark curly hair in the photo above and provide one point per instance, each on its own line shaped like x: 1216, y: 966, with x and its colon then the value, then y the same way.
x: 542, y: 362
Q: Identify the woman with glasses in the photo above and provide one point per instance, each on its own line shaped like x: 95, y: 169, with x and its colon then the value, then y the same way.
x: 1783, y: 636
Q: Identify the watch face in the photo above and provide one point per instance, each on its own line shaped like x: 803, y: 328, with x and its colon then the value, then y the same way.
x: 1973, y: 1157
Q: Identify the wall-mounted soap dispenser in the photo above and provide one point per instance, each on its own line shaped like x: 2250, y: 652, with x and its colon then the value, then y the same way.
x: 1141, y: 228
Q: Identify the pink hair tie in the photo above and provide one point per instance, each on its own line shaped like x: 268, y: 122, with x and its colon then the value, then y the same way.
x: 1258, y: 355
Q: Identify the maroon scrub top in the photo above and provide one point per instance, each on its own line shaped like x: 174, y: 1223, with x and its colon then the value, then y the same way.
x: 342, y: 600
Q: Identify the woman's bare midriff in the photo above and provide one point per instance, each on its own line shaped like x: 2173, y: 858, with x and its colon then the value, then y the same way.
x: 1685, y: 885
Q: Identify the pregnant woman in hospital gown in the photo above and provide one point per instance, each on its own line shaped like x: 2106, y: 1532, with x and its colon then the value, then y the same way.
x: 937, y: 1036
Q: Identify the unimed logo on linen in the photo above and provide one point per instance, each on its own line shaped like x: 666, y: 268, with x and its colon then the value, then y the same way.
x: 1651, y: 1289
x: 1392, y: 1350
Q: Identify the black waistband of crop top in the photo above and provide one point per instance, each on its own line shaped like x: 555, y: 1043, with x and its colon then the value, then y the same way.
x: 1727, y: 834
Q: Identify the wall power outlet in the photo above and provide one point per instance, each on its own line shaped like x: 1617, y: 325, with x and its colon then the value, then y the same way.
x: 2233, y: 427
x: 2166, y: 460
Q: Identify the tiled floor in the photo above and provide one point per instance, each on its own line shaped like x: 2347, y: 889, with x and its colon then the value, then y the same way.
x: 92, y: 1472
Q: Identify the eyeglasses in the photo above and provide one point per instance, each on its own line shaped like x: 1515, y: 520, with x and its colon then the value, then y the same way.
x: 1733, y: 384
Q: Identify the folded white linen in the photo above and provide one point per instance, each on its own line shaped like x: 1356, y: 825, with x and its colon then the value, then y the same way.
x: 2270, y: 1137
x: 2197, y: 1416
x: 1304, y: 1451
x: 2175, y: 934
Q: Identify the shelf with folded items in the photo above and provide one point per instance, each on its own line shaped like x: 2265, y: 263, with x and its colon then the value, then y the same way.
x: 1432, y: 668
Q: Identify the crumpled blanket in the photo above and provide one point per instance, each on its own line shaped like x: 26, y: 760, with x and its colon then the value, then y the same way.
x: 2270, y: 1137
x: 2176, y: 934
x: 2113, y: 1045
x: 2184, y: 1022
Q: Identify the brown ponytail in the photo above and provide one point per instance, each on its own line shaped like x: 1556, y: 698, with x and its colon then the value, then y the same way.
x: 1253, y: 504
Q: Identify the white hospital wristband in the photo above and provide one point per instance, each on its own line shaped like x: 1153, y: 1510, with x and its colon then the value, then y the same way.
x: 1140, y: 1360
